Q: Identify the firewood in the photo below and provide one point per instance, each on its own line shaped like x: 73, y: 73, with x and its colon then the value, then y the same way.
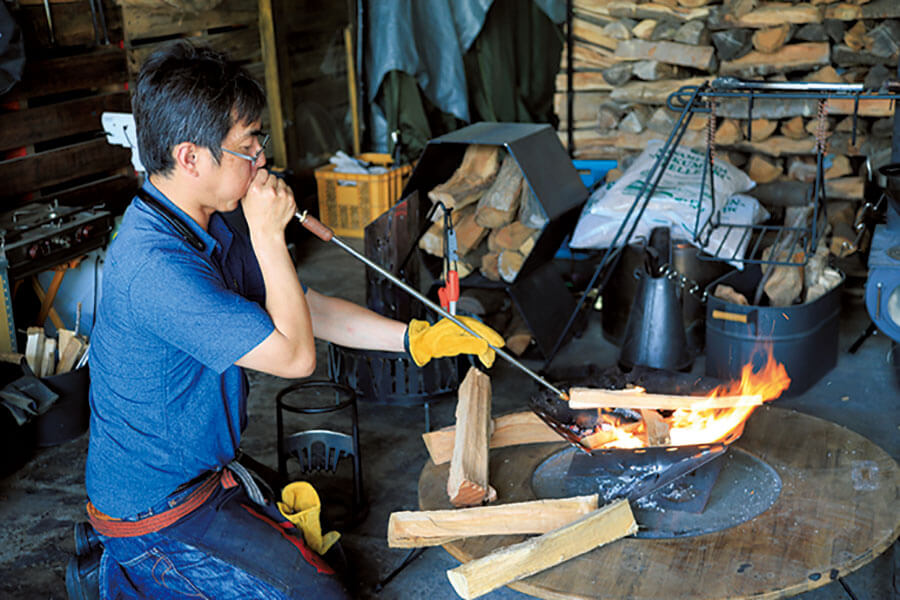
x: 432, y: 240
x: 34, y: 348
x: 654, y: 70
x: 693, y: 33
x: 771, y: 39
x: 771, y: 14
x: 696, y: 57
x: 729, y: 132
x: 592, y: 33
x: 794, y: 128
x: 662, y: 120
x: 826, y: 74
x: 843, y: 236
x: 866, y: 108
x: 664, y: 31
x: 510, y: 237
x: 48, y: 360
x: 854, y: 38
x: 489, y: 266
x: 636, y: 10
x: 644, y: 29
x: 498, y: 205
x: 791, y: 57
x: 693, y: 3
x: 481, y: 302
x: 467, y: 483
x: 517, y: 334
x: 583, y: 81
x: 480, y: 576
x: 69, y: 356
x: 845, y: 188
x: 739, y: 8
x: 584, y: 107
x: 879, y: 9
x: 635, y: 121
x: 732, y: 44
x: 471, y: 179
x: 618, y: 73
x: 785, y: 283
x: 778, y: 145
x: 417, y: 529
x: 840, y: 166
x: 759, y: 129
x: 585, y: 56
x: 812, y: 126
x: 581, y: 398
x: 884, y: 39
x: 509, y: 263
x: 617, y: 30
x: 729, y: 294
x: 656, y: 430
x: 802, y: 168
x: 651, y: 92
x: 507, y: 430
x: 763, y: 170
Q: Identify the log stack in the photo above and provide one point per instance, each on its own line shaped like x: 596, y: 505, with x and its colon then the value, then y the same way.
x: 629, y: 56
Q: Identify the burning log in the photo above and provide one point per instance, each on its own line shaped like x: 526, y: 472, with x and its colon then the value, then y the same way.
x: 656, y: 430
x: 518, y: 561
x: 467, y: 484
x: 507, y: 430
x: 415, y: 529
x: 584, y: 398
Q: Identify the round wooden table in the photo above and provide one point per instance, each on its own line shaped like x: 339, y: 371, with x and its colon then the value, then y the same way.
x: 837, y: 510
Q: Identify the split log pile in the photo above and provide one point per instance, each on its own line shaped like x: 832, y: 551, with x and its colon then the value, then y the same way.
x: 629, y: 56
x: 497, y: 220
x: 568, y: 527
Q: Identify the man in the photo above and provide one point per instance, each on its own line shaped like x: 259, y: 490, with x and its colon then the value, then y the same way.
x: 187, y: 304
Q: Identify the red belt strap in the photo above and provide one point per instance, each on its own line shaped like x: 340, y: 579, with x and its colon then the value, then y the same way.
x: 112, y: 527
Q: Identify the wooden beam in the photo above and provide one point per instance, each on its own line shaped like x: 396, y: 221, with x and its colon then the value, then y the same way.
x: 44, y: 169
x: 90, y: 70
x: 593, y: 398
x: 521, y: 560
x: 140, y: 22
x: 34, y: 125
x: 467, y: 483
x: 507, y: 430
x: 415, y: 529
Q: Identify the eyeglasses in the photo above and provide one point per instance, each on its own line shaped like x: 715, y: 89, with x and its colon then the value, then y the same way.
x: 263, y: 141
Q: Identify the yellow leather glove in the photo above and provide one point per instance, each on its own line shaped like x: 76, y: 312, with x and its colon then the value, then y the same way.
x: 446, y: 338
x: 301, y: 506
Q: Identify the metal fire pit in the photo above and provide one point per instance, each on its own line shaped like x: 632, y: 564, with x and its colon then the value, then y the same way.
x: 675, y: 491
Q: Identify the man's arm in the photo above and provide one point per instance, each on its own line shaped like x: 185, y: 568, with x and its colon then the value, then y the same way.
x: 289, y: 351
x: 348, y: 324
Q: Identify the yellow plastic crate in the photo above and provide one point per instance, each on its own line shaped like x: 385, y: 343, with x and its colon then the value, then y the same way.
x: 348, y: 201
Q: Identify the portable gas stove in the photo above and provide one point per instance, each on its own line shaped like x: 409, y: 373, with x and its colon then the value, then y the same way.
x: 37, y: 237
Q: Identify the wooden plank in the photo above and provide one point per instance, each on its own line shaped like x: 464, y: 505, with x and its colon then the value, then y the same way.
x: 141, y: 22
x: 98, y: 68
x: 507, y: 430
x: 72, y: 25
x: 592, y: 398
x: 52, y: 167
x: 521, y: 560
x: 416, y: 529
x: 791, y: 57
x: 240, y: 45
x: 673, y: 53
x: 34, y: 125
x: 467, y: 483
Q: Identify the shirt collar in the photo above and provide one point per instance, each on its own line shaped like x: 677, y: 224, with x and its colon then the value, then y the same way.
x: 208, y: 239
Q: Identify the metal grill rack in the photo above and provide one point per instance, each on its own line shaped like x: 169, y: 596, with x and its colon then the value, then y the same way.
x: 705, y: 99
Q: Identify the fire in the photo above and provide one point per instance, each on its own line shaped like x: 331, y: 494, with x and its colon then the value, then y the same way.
x: 698, y: 425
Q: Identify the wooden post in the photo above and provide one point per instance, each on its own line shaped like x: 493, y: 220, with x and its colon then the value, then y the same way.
x: 280, y: 100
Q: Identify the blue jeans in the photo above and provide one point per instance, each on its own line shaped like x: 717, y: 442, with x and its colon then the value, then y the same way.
x: 227, y: 548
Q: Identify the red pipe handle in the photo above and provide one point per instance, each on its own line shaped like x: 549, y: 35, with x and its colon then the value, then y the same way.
x: 315, y: 226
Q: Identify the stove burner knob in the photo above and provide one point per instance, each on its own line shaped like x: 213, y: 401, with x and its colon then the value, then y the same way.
x: 33, y: 250
x: 83, y: 233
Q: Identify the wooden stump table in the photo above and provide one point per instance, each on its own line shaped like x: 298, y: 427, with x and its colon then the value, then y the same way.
x: 837, y: 510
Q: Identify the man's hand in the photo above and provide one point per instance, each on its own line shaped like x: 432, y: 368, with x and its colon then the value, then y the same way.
x: 446, y: 338
x: 268, y: 206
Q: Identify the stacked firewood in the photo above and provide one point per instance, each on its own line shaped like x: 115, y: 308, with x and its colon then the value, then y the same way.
x: 495, y: 215
x: 629, y: 56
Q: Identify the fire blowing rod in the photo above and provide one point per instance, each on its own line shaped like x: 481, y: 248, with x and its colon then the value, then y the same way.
x: 324, y: 233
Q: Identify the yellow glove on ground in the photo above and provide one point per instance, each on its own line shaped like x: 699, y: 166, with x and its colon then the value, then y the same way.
x: 446, y: 338
x: 301, y: 506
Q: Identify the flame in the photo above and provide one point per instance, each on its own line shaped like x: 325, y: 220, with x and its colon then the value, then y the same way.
x: 699, y: 425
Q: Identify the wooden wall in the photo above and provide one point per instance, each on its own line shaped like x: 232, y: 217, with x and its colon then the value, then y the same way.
x: 51, y: 142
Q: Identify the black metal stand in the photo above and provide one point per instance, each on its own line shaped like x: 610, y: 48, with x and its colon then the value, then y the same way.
x: 410, y: 556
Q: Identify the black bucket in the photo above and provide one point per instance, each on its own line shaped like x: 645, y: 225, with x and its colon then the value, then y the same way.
x: 391, y: 377
x: 69, y: 416
x: 803, y: 337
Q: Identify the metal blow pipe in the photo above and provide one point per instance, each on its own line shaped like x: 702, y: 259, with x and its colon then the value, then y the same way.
x: 324, y: 233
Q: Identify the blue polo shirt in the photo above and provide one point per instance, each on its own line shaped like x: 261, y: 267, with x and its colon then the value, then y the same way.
x: 171, y: 322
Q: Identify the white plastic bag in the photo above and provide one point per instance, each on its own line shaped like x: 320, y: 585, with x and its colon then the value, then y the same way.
x: 673, y: 204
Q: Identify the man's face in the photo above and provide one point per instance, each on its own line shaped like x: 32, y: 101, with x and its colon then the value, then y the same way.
x: 234, y: 173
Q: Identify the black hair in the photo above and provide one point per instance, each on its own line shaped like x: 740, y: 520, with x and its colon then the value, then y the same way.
x: 188, y: 93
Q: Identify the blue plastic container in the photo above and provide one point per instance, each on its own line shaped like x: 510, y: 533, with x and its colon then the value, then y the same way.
x: 593, y: 172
